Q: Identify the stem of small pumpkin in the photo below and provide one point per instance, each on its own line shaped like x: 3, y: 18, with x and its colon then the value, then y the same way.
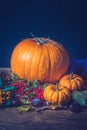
x: 57, y: 87
x: 71, y: 76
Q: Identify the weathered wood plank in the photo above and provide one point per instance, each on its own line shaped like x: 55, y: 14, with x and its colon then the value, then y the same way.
x: 48, y: 119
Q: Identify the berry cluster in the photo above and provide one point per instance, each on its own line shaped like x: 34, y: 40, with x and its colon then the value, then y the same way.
x: 20, y: 86
x: 22, y: 91
x: 39, y: 92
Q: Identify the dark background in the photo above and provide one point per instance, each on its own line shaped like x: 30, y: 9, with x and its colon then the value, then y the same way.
x: 62, y: 20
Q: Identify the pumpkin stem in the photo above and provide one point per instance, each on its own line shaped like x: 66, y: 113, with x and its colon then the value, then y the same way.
x: 40, y: 41
x: 71, y: 76
x: 57, y: 87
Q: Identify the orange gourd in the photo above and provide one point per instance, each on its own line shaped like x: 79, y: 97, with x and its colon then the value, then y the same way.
x: 72, y: 81
x: 39, y: 58
x: 57, y: 94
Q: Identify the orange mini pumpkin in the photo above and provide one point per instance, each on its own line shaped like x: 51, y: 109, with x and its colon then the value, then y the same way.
x: 57, y: 94
x: 39, y: 58
x: 72, y: 81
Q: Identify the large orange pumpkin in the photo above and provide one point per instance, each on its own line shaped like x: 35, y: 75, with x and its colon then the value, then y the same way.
x: 39, y: 58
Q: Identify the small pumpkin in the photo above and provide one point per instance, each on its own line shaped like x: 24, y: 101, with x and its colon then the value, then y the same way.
x: 72, y: 81
x: 57, y: 94
x: 39, y: 58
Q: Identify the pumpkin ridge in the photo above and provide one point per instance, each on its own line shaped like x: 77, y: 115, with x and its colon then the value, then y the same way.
x: 56, y: 54
x: 74, y: 81
x: 50, y: 51
x: 69, y: 83
x: 78, y: 82
x: 60, y: 53
x: 32, y: 62
x: 46, y: 91
x: 79, y: 79
x: 76, y: 86
x: 32, y: 68
x: 17, y: 53
x: 73, y: 84
x: 62, y: 99
x: 50, y: 94
x: 49, y: 60
x: 33, y: 45
x: 62, y: 49
x: 25, y: 64
x: 25, y: 67
x: 55, y: 97
x: 66, y: 83
x: 67, y: 92
x: 40, y: 63
x: 54, y: 43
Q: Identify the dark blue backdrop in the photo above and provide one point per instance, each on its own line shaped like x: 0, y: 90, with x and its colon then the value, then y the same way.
x: 62, y: 20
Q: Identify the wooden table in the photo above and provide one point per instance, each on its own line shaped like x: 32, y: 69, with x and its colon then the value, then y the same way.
x: 10, y: 119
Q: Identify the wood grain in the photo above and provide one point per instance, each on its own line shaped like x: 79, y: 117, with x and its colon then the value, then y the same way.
x: 46, y: 120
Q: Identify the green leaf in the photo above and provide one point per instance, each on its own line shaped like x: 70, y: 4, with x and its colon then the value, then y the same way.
x: 8, y: 88
x: 44, y: 86
x: 31, y: 94
x: 8, y: 103
x: 26, y: 89
x: 28, y: 83
x: 0, y: 83
x: 23, y: 108
x: 35, y: 84
x: 14, y: 77
x: 84, y: 93
x: 80, y: 97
